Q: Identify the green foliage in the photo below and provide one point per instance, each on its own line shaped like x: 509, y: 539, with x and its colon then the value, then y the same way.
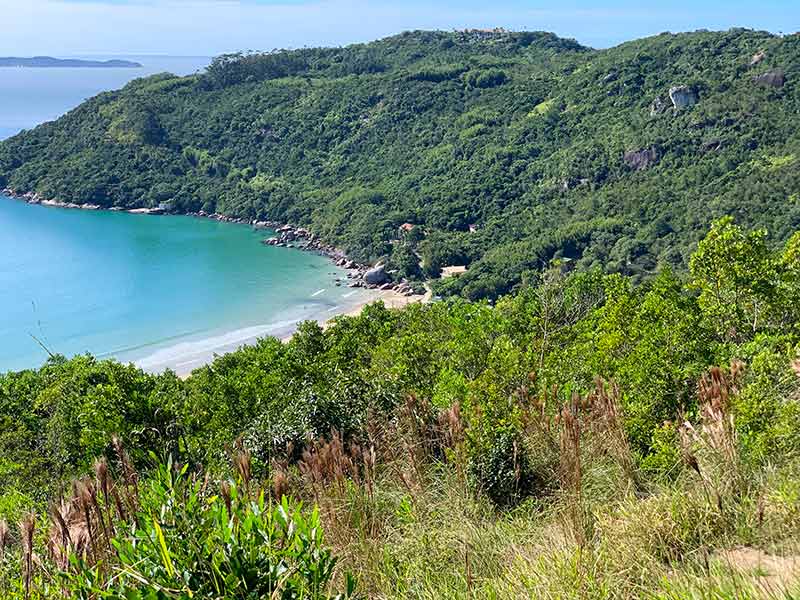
x: 563, y: 329
x: 499, y: 465
x: 518, y: 136
x: 485, y: 79
x: 185, y: 544
x: 465, y: 433
x: 744, y: 286
x: 735, y: 274
x: 57, y: 419
x: 405, y: 261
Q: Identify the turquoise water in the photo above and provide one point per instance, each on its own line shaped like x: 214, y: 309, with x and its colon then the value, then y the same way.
x: 161, y: 291
x: 158, y: 291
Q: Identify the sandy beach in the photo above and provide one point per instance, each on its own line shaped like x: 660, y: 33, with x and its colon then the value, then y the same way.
x: 185, y: 357
x: 390, y: 298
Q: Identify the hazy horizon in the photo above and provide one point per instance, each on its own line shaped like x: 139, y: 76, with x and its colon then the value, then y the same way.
x: 211, y: 27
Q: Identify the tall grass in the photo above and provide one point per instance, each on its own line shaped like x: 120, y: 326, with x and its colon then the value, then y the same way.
x: 398, y: 512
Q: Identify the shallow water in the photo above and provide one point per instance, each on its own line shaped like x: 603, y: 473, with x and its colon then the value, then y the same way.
x: 162, y: 291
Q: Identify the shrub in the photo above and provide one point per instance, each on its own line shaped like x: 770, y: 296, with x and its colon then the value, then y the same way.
x: 499, y: 465
x: 169, y: 538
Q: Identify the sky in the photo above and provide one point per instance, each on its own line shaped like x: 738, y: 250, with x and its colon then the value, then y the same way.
x: 211, y: 27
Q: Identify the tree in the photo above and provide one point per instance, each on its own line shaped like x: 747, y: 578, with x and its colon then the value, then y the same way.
x: 736, y: 275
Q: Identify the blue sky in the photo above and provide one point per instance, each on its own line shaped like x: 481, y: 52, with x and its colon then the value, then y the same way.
x: 209, y: 27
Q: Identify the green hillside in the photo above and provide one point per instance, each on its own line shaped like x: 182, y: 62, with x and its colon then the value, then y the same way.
x: 586, y: 438
x: 506, y: 149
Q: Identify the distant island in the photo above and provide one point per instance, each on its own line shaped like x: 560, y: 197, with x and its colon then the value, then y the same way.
x: 49, y: 61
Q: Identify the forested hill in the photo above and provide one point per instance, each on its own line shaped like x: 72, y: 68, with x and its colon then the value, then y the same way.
x: 506, y: 150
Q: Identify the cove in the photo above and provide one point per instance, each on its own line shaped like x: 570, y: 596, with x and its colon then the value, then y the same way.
x: 159, y: 291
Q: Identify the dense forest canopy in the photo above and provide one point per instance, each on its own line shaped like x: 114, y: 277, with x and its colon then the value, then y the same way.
x: 505, y: 149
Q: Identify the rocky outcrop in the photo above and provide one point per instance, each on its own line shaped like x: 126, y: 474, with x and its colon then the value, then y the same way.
x: 377, y: 275
x: 711, y: 146
x: 683, y: 96
x: 566, y: 185
x: 612, y: 76
x: 658, y: 106
x: 298, y: 237
x: 757, y: 58
x: 774, y: 78
x: 358, y: 276
x: 146, y: 211
x: 638, y: 160
x: 34, y: 198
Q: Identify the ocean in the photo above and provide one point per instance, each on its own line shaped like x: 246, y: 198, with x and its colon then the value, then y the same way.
x: 32, y: 96
x: 159, y: 291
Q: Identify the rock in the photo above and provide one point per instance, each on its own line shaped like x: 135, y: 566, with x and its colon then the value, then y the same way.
x: 682, y: 96
x: 612, y: 76
x: 711, y: 146
x: 757, y: 58
x: 658, y: 106
x: 639, y: 160
x: 376, y: 275
x: 386, y: 286
x: 146, y: 211
x: 774, y: 78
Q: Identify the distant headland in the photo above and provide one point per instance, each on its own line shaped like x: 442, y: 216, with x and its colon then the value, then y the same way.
x: 74, y: 63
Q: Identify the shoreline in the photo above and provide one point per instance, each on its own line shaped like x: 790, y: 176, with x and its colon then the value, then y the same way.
x: 185, y: 356
x: 286, y: 236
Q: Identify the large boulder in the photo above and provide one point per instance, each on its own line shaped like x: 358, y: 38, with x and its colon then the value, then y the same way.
x: 774, y: 78
x: 376, y: 275
x: 757, y: 58
x: 682, y: 96
x: 639, y: 160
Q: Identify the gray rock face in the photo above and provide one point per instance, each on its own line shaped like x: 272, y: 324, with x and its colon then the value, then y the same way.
x: 376, y: 275
x: 774, y: 78
x: 658, y: 106
x: 682, y: 96
x: 711, y: 146
x: 638, y: 160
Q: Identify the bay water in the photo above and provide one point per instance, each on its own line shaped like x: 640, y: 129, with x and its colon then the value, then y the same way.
x: 160, y: 291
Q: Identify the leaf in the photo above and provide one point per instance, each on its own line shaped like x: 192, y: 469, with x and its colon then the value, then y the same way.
x: 165, y: 558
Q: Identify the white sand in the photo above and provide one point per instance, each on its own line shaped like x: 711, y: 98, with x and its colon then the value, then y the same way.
x: 187, y: 356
